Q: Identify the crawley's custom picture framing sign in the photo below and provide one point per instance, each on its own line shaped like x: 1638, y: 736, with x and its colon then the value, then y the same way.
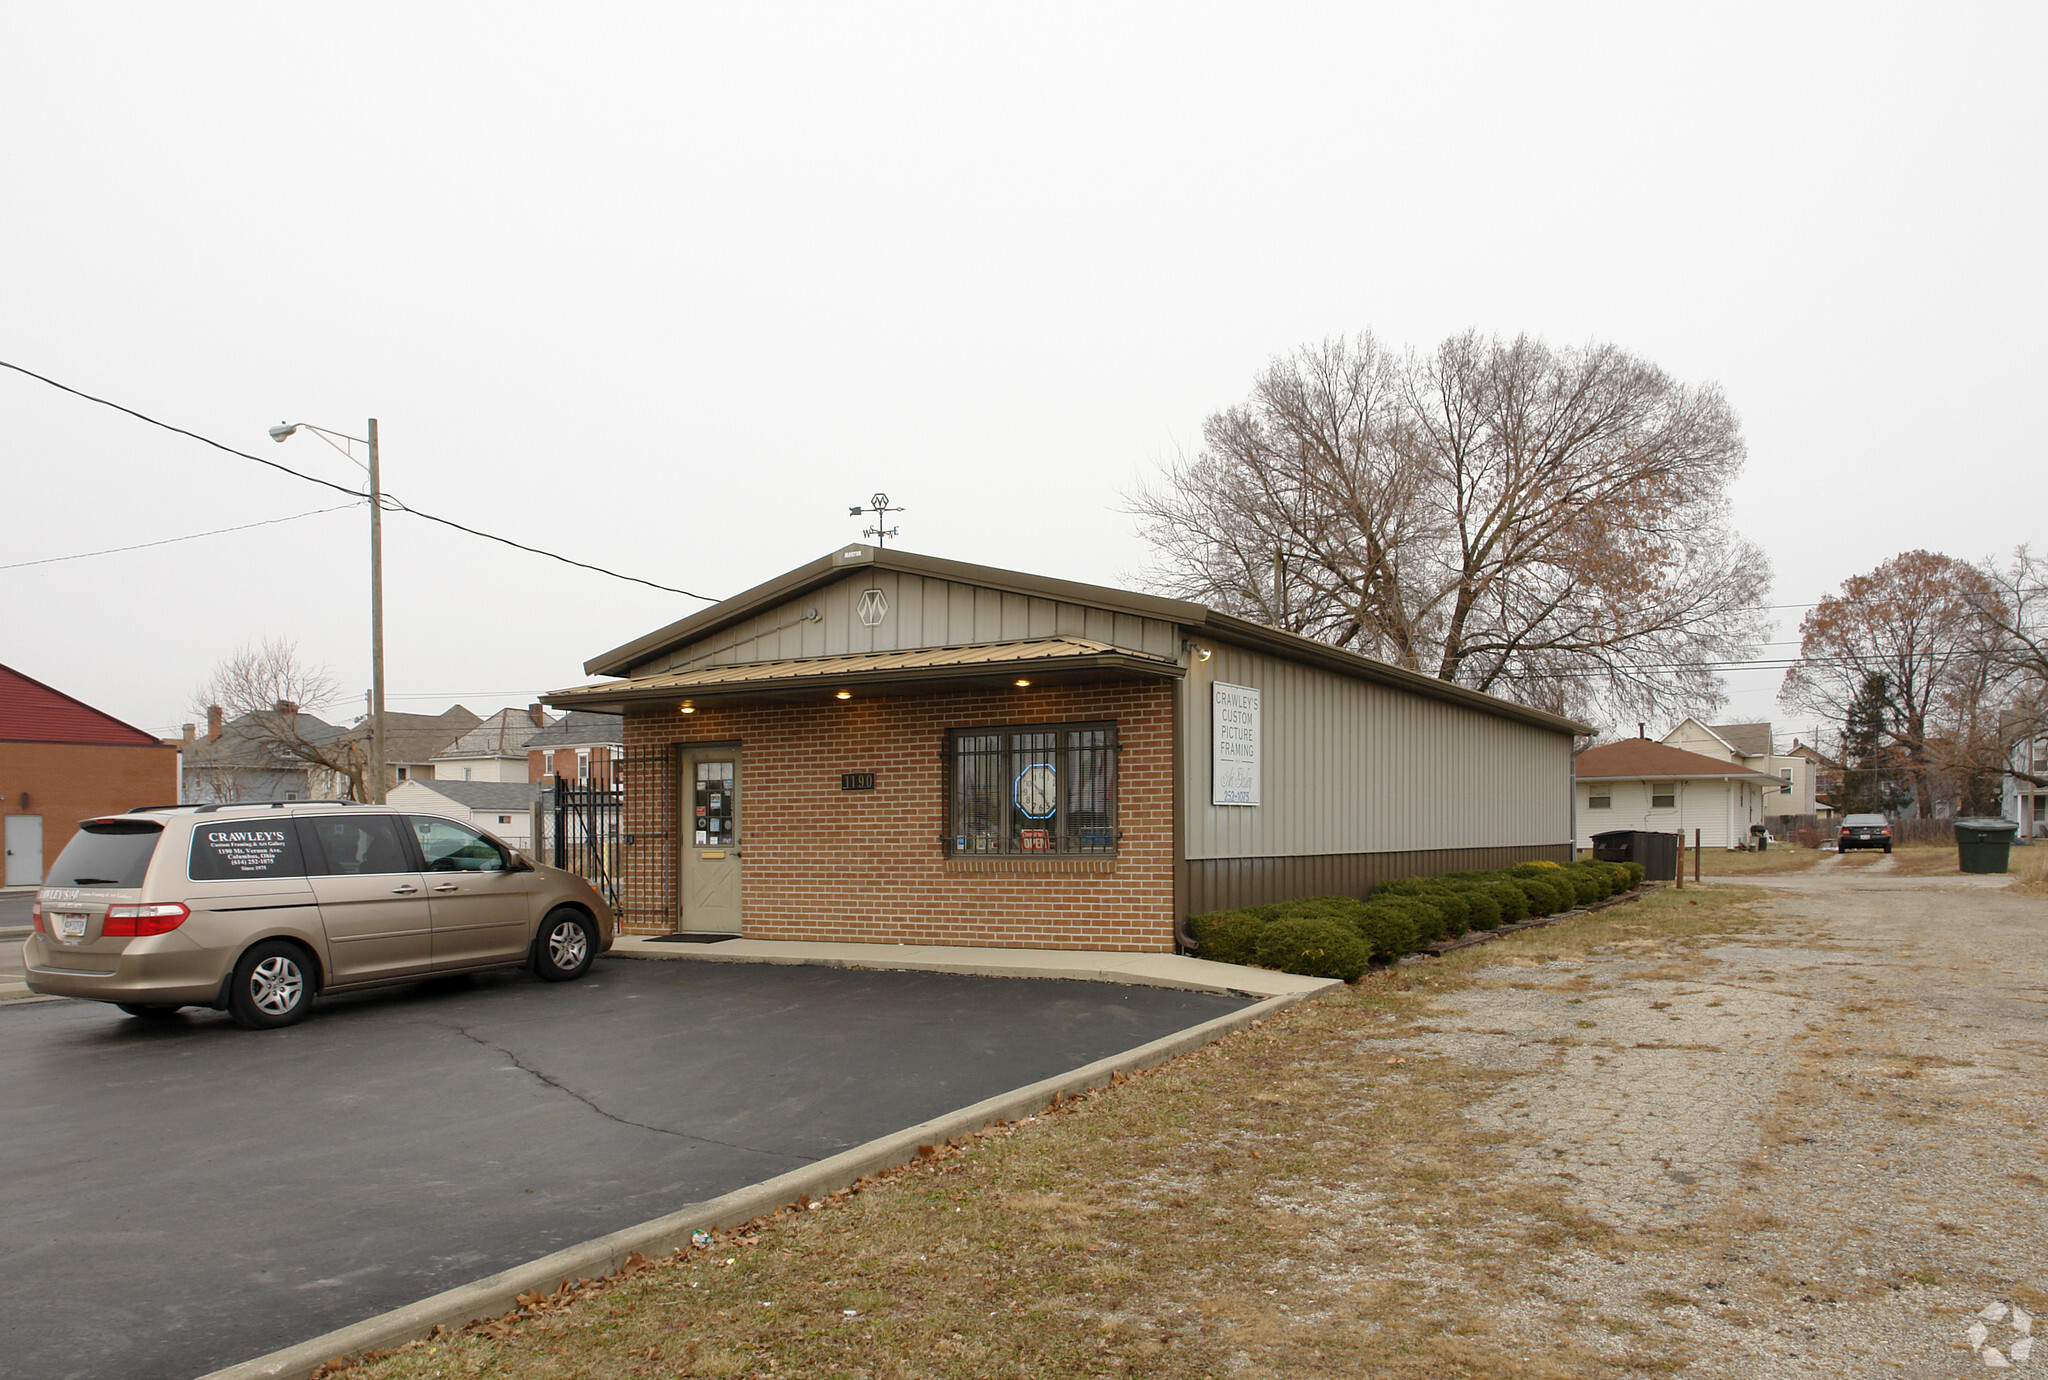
x: 1234, y: 745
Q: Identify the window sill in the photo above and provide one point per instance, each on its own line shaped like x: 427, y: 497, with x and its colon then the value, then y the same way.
x: 1017, y: 862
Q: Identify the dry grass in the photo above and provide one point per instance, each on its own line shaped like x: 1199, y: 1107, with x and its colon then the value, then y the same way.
x: 2029, y: 867
x: 1294, y: 1200
x: 1719, y: 862
x: 1925, y: 860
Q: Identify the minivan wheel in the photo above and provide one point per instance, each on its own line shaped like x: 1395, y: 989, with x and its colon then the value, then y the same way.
x: 271, y: 987
x: 566, y: 946
x: 155, y: 1015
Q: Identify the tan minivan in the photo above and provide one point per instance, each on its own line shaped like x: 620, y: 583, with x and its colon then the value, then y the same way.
x: 255, y: 909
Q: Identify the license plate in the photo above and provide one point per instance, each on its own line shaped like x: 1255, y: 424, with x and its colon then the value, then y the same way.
x: 71, y: 926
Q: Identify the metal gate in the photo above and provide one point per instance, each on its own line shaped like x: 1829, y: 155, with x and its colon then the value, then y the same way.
x: 582, y: 830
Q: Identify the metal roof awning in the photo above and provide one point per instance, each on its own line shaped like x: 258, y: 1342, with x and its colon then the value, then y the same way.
x: 1042, y: 661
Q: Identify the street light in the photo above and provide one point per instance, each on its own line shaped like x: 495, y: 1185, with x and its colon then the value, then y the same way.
x: 283, y: 432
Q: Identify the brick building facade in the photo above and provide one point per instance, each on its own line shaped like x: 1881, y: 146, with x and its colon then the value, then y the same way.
x: 824, y: 863
x: 61, y: 761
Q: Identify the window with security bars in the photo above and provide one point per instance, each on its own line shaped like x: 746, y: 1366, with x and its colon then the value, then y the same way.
x: 1043, y: 788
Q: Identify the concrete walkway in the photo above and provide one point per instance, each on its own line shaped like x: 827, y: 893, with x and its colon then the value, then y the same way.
x: 1090, y: 965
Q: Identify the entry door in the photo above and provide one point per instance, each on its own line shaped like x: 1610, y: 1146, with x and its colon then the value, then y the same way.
x: 711, y: 841
x: 24, y: 850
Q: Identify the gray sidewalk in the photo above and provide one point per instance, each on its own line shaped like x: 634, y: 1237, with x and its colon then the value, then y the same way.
x: 1091, y: 965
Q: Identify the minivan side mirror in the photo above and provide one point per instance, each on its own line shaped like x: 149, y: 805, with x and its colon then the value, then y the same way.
x: 518, y: 862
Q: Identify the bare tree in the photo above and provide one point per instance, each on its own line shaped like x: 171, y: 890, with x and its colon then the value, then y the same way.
x: 1545, y: 524
x: 264, y: 696
x: 1917, y: 622
x: 2013, y: 609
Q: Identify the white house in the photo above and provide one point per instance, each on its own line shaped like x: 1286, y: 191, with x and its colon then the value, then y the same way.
x: 1640, y: 784
x: 1754, y: 746
x: 2025, y: 803
x: 503, y: 808
x: 495, y: 750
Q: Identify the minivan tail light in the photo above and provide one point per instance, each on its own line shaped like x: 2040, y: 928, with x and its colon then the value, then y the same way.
x: 138, y: 922
x: 35, y: 915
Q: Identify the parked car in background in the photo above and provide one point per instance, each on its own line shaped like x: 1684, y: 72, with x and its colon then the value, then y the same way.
x: 1864, y: 831
x: 256, y: 909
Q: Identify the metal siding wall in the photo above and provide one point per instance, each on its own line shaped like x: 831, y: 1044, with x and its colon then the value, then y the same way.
x: 1232, y: 883
x: 1351, y: 769
x: 922, y: 613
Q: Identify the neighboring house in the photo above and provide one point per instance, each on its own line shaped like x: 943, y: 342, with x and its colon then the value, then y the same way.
x: 503, y: 808
x: 61, y: 761
x: 412, y: 740
x: 1640, y: 784
x: 1755, y: 747
x: 2026, y: 802
x: 1827, y: 777
x: 495, y: 750
x: 236, y: 762
x: 580, y: 747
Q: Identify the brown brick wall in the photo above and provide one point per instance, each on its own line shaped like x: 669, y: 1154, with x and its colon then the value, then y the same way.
x: 825, y: 864
x: 67, y: 782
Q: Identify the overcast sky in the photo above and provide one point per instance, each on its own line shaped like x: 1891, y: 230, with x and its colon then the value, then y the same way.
x: 667, y: 288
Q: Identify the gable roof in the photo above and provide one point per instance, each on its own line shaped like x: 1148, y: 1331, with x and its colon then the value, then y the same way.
x: 581, y: 728
x: 1641, y: 759
x: 242, y: 744
x: 505, y: 734
x: 1751, y: 740
x: 412, y: 738
x: 32, y: 712
x: 505, y: 796
x: 1195, y: 618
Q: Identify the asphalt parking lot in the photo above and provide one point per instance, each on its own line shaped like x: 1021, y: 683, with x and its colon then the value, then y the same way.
x: 178, y: 1199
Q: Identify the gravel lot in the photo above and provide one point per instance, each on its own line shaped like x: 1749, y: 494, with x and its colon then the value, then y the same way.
x: 1819, y: 1146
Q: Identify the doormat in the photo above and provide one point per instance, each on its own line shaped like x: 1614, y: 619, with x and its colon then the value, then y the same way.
x: 697, y: 938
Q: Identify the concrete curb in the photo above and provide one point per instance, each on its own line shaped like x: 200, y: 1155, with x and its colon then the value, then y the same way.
x: 603, y: 1255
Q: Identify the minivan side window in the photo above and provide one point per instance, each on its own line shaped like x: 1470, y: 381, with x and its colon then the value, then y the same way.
x: 354, y: 846
x: 236, y: 850
x: 451, y: 847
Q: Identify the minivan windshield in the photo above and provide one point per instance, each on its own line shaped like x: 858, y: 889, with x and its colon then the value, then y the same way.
x: 106, y: 853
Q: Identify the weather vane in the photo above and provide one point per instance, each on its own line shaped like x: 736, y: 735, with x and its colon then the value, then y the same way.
x: 878, y: 504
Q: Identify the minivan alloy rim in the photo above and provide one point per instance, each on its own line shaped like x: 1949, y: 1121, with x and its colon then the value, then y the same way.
x: 567, y: 945
x: 275, y: 985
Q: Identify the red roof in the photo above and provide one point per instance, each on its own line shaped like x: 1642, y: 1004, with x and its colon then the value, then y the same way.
x: 31, y: 712
x: 1640, y: 759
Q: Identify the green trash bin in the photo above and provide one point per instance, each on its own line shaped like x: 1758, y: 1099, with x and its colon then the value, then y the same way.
x: 1983, y: 845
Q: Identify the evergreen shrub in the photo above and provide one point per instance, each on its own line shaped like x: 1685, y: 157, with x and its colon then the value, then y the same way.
x: 1314, y: 947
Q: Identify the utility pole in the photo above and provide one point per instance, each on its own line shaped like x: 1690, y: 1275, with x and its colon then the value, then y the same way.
x: 376, y: 625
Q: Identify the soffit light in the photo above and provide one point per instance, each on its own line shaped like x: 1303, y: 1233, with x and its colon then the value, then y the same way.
x: 689, y: 709
x: 844, y: 695
x: 1021, y: 682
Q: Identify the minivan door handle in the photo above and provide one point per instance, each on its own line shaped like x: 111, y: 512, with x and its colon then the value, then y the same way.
x: 403, y: 890
x: 448, y: 886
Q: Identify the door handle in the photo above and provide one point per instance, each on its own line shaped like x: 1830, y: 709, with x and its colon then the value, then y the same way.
x: 447, y: 886
x: 403, y: 890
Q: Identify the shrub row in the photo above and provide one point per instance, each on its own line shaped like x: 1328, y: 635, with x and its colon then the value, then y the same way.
x: 1339, y: 936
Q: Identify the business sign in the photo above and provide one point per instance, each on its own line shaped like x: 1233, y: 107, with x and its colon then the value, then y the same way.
x: 1234, y: 745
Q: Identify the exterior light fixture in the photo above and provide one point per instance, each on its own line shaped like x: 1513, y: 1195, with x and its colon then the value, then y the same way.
x: 281, y: 431
x: 1022, y: 683
x: 844, y: 695
x: 1203, y: 652
x: 689, y: 709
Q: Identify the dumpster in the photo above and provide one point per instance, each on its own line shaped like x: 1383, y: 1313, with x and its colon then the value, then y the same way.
x: 1658, y: 853
x: 1982, y: 845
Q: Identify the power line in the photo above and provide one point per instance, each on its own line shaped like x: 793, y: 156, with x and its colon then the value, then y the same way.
x: 338, y: 488
x: 167, y: 541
